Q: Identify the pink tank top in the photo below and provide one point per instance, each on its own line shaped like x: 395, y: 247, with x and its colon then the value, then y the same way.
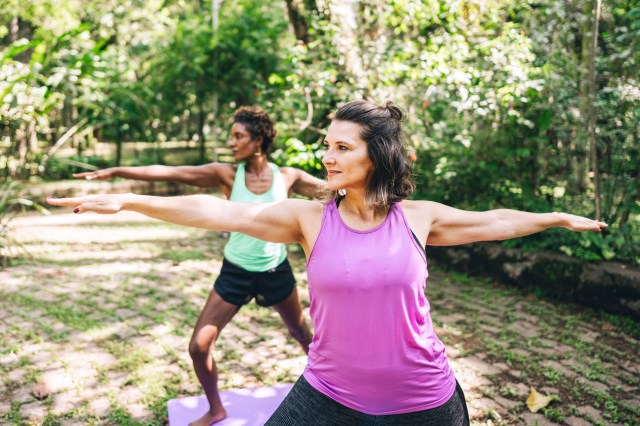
x: 374, y: 349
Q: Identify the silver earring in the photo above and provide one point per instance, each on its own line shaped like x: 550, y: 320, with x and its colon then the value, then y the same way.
x: 342, y: 192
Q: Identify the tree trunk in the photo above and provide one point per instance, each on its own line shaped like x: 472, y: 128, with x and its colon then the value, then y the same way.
x: 201, y: 123
x: 298, y: 20
x: 591, y: 117
x: 118, y: 145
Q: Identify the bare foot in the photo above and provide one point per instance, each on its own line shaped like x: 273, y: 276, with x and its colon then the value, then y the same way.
x: 210, y: 418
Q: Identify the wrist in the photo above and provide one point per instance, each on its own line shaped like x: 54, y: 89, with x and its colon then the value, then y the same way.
x: 128, y: 201
x: 559, y: 219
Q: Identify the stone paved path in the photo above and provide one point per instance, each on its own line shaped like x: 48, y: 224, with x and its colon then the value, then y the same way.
x: 94, y: 330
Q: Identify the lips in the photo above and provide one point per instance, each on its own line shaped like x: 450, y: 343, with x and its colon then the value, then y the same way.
x: 332, y: 173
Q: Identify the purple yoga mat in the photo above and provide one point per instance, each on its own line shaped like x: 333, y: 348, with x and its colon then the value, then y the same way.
x: 245, y: 407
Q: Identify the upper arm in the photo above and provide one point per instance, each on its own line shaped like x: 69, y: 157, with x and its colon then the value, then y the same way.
x: 450, y: 226
x: 279, y: 222
x: 204, y: 176
x: 304, y: 183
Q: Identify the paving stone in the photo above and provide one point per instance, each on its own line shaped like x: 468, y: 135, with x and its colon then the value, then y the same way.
x: 479, y: 365
x: 589, y: 411
x: 65, y: 402
x: 544, y: 351
x: 515, y: 373
x: 522, y: 389
x: 536, y: 419
x: 34, y: 412
x: 599, y: 386
x: 555, y: 365
x: 576, y: 421
x: 16, y: 375
x: 22, y: 394
x: 5, y: 406
x: 138, y: 411
x: 130, y: 395
x: 504, y: 402
x: 635, y: 403
x: 588, y: 336
x: 100, y: 407
x: 525, y: 329
x: 56, y: 380
x: 520, y: 352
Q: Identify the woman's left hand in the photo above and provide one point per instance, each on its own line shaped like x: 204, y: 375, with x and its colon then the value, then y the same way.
x: 581, y: 224
x: 102, y: 204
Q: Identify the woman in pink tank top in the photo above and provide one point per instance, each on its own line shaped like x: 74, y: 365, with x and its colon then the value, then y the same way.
x: 375, y: 358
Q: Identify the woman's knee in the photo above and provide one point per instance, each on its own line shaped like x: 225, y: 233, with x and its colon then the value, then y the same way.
x: 201, y: 345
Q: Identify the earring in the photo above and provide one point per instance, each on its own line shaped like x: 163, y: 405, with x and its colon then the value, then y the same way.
x: 342, y: 192
x: 258, y: 153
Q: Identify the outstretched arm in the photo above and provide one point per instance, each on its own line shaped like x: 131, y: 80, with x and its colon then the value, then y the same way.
x: 207, y: 175
x: 304, y: 183
x: 276, y: 222
x: 450, y: 226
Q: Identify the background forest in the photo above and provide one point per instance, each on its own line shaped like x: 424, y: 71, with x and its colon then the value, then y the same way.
x: 525, y: 104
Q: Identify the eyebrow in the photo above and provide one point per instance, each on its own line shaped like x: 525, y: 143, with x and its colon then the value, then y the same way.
x: 339, y: 141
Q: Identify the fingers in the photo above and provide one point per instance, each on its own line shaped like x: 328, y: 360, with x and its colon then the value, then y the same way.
x: 65, y: 202
x: 85, y: 175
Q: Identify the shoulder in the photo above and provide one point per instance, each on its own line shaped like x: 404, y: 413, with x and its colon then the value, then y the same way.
x: 419, y: 206
x: 422, y: 210
x: 290, y: 171
x: 304, y: 208
x: 220, y: 169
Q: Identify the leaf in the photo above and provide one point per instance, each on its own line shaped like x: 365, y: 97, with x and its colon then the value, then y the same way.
x: 544, y: 121
x: 537, y: 401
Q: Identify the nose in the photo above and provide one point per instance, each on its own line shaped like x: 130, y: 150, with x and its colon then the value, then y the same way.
x: 328, y: 158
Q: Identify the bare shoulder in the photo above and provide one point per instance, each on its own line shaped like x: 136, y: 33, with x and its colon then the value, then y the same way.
x: 290, y: 171
x: 419, y: 207
x: 307, y: 210
x: 420, y: 215
x: 221, y: 169
x: 308, y: 213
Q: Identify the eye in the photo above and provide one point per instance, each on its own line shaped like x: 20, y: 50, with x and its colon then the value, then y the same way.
x: 342, y: 148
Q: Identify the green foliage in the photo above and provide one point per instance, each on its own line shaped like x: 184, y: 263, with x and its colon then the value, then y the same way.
x: 12, y: 202
x: 494, y: 91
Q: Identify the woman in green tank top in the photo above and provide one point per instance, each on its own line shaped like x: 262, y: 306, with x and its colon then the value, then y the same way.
x: 251, y: 267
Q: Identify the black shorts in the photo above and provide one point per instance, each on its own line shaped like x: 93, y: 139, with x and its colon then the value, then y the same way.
x: 238, y: 286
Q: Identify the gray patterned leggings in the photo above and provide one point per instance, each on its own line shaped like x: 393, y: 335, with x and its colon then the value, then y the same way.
x: 305, y: 406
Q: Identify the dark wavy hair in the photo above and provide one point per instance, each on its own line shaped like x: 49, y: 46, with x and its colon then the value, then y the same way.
x: 258, y: 123
x: 391, y: 179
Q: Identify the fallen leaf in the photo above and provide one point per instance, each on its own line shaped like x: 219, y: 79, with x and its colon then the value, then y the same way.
x: 537, y: 401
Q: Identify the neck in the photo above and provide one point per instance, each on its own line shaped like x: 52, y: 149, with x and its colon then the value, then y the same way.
x: 256, y: 164
x: 355, y: 203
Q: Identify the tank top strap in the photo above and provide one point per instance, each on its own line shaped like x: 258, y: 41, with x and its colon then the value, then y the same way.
x: 398, y: 215
x: 239, y: 186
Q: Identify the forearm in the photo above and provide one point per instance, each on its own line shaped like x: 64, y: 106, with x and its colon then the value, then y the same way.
x: 198, y: 211
x: 145, y: 173
x: 513, y: 224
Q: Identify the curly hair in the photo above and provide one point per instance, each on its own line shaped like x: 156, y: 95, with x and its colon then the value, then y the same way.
x: 258, y: 123
x: 391, y: 178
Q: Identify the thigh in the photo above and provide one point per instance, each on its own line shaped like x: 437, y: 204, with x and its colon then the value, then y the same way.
x: 276, y: 285
x: 215, y: 315
x: 235, y: 285
x: 290, y: 311
x: 306, y: 406
x: 451, y: 413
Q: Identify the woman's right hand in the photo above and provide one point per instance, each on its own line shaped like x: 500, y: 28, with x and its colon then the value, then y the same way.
x: 104, y: 174
x: 102, y: 204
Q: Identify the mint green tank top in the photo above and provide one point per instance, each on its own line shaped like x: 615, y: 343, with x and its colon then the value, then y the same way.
x: 247, y: 252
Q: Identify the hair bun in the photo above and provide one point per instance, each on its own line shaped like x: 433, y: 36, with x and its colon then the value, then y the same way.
x: 394, y: 111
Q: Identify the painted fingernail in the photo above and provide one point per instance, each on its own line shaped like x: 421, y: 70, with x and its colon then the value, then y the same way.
x: 76, y: 210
